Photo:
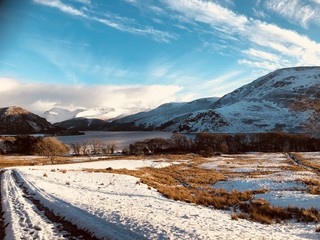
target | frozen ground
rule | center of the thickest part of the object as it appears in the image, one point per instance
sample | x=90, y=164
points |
x=118, y=206
x=267, y=171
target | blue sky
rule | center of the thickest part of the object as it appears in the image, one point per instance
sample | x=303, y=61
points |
x=137, y=54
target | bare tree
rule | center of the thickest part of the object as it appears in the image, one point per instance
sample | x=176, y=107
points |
x=111, y=147
x=76, y=148
x=96, y=146
x=85, y=147
x=313, y=106
x=51, y=148
x=180, y=141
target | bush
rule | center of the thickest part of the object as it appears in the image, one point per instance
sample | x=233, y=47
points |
x=50, y=147
x=207, y=152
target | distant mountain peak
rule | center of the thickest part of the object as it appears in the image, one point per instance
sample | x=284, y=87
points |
x=16, y=120
x=14, y=110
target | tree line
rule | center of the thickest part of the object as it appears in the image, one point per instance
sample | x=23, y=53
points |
x=93, y=146
x=50, y=147
x=207, y=144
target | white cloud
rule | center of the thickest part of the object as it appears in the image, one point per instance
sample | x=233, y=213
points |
x=61, y=6
x=39, y=97
x=208, y=12
x=117, y=22
x=86, y=2
x=302, y=12
x=211, y=85
x=297, y=49
x=7, y=85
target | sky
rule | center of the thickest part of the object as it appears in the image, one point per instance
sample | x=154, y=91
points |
x=137, y=54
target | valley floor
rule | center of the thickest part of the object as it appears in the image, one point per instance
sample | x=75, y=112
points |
x=66, y=202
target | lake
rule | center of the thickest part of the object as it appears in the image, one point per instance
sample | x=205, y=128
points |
x=122, y=139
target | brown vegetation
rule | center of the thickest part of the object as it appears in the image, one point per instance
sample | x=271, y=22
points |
x=51, y=148
x=313, y=185
x=190, y=183
x=261, y=211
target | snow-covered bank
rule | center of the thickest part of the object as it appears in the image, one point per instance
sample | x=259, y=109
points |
x=133, y=208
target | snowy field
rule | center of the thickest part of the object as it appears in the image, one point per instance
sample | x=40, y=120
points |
x=272, y=172
x=120, y=207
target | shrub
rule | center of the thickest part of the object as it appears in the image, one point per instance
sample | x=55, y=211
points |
x=51, y=148
x=234, y=216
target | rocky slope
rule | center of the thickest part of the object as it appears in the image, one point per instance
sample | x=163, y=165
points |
x=266, y=104
x=16, y=120
x=58, y=114
x=82, y=124
x=166, y=117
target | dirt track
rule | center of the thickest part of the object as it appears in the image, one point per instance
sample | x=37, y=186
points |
x=2, y=225
x=70, y=231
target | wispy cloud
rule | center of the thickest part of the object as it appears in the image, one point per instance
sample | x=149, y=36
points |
x=119, y=23
x=86, y=2
x=62, y=7
x=268, y=38
x=302, y=12
x=39, y=97
x=8, y=64
x=218, y=81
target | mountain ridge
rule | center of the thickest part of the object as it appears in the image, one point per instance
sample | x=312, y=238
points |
x=263, y=105
x=16, y=120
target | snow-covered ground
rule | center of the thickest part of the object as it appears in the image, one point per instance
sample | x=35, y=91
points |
x=119, y=206
x=115, y=164
x=283, y=186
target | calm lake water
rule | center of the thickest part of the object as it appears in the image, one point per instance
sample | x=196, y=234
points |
x=122, y=139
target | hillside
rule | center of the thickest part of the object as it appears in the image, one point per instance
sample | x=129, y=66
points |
x=266, y=104
x=166, y=117
x=82, y=124
x=58, y=114
x=16, y=120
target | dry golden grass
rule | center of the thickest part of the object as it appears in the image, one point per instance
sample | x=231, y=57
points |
x=16, y=161
x=234, y=216
x=313, y=185
x=160, y=157
x=261, y=211
x=13, y=161
x=307, y=162
x=189, y=183
x=293, y=168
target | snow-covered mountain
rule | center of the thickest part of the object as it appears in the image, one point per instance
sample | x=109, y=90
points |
x=165, y=117
x=58, y=114
x=82, y=124
x=16, y=120
x=266, y=104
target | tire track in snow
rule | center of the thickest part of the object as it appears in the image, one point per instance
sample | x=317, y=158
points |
x=23, y=220
x=70, y=230
x=299, y=162
x=2, y=224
